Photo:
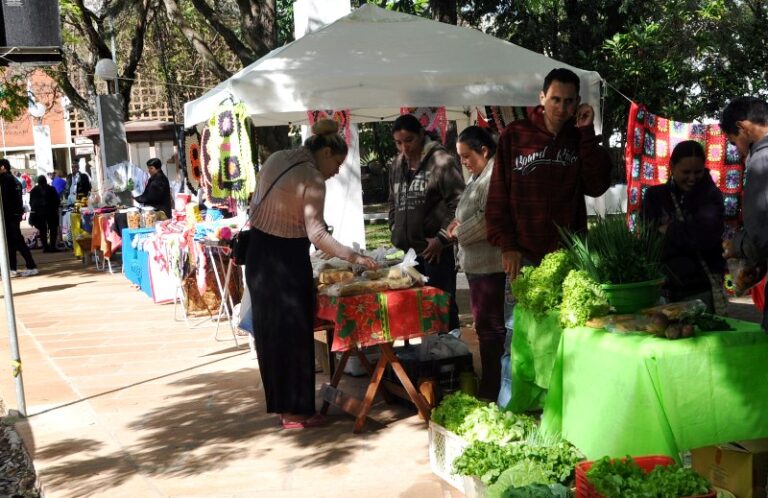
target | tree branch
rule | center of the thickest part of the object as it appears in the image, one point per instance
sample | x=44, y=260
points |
x=244, y=53
x=173, y=11
x=93, y=36
x=137, y=50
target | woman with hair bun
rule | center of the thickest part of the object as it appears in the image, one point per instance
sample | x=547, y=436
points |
x=286, y=216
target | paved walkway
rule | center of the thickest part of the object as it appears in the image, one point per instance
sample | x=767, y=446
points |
x=124, y=401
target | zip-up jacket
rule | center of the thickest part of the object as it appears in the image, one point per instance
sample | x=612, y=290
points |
x=423, y=202
x=539, y=183
x=752, y=241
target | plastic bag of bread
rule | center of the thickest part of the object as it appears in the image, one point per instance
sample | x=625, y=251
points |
x=408, y=267
x=355, y=287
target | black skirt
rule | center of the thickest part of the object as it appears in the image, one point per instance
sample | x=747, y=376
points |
x=279, y=276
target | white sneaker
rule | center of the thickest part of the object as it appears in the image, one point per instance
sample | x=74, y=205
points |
x=14, y=274
x=30, y=272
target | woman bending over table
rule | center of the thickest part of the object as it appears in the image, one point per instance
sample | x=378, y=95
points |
x=480, y=260
x=286, y=215
x=688, y=210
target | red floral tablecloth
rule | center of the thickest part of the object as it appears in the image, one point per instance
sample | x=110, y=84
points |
x=369, y=319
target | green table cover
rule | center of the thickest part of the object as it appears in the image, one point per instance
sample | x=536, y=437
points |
x=635, y=394
x=534, y=349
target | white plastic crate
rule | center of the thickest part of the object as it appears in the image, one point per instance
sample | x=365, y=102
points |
x=444, y=448
x=473, y=487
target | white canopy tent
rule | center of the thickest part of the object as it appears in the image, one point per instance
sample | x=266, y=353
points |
x=373, y=61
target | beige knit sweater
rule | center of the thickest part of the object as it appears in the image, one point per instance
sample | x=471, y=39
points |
x=294, y=207
x=475, y=254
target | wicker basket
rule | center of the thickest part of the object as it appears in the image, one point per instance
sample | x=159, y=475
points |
x=444, y=448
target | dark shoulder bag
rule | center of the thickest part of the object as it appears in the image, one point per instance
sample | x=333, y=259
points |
x=239, y=243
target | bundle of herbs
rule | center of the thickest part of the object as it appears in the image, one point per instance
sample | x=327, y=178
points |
x=610, y=253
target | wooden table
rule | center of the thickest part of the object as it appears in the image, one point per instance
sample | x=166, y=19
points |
x=379, y=319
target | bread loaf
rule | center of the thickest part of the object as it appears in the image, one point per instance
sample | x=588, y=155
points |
x=335, y=276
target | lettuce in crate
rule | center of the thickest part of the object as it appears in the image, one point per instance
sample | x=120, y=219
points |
x=553, y=456
x=475, y=420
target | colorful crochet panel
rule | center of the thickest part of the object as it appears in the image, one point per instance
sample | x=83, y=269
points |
x=228, y=169
x=650, y=141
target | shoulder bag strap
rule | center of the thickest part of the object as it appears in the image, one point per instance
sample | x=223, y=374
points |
x=718, y=297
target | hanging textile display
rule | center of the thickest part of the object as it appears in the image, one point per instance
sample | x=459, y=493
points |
x=340, y=116
x=497, y=117
x=650, y=141
x=228, y=169
x=193, y=158
x=431, y=118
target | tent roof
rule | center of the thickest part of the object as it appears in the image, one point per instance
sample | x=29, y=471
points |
x=373, y=61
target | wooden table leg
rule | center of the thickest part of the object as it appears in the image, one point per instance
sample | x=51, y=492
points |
x=369, y=368
x=370, y=393
x=415, y=395
x=336, y=378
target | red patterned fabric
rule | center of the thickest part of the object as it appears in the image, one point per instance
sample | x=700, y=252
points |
x=650, y=141
x=340, y=116
x=431, y=118
x=373, y=318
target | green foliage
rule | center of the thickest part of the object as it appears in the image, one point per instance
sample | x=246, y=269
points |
x=529, y=491
x=522, y=473
x=582, y=299
x=625, y=478
x=611, y=254
x=377, y=235
x=488, y=461
x=539, y=289
x=13, y=95
x=453, y=409
x=475, y=420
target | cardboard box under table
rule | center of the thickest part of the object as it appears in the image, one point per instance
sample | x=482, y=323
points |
x=636, y=394
x=741, y=467
x=379, y=319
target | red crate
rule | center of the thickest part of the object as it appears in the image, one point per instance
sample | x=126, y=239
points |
x=585, y=490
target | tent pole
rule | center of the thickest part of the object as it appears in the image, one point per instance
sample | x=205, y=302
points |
x=10, y=314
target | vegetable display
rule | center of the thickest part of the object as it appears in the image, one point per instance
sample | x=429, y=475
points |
x=475, y=420
x=529, y=491
x=539, y=289
x=582, y=299
x=626, y=479
x=488, y=461
x=612, y=254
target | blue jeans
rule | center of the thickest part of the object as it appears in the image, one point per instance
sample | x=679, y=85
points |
x=505, y=393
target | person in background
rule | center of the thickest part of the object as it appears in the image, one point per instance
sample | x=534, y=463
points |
x=286, y=216
x=59, y=183
x=425, y=185
x=480, y=260
x=689, y=211
x=44, y=214
x=27, y=182
x=13, y=210
x=545, y=165
x=157, y=193
x=78, y=184
x=745, y=122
